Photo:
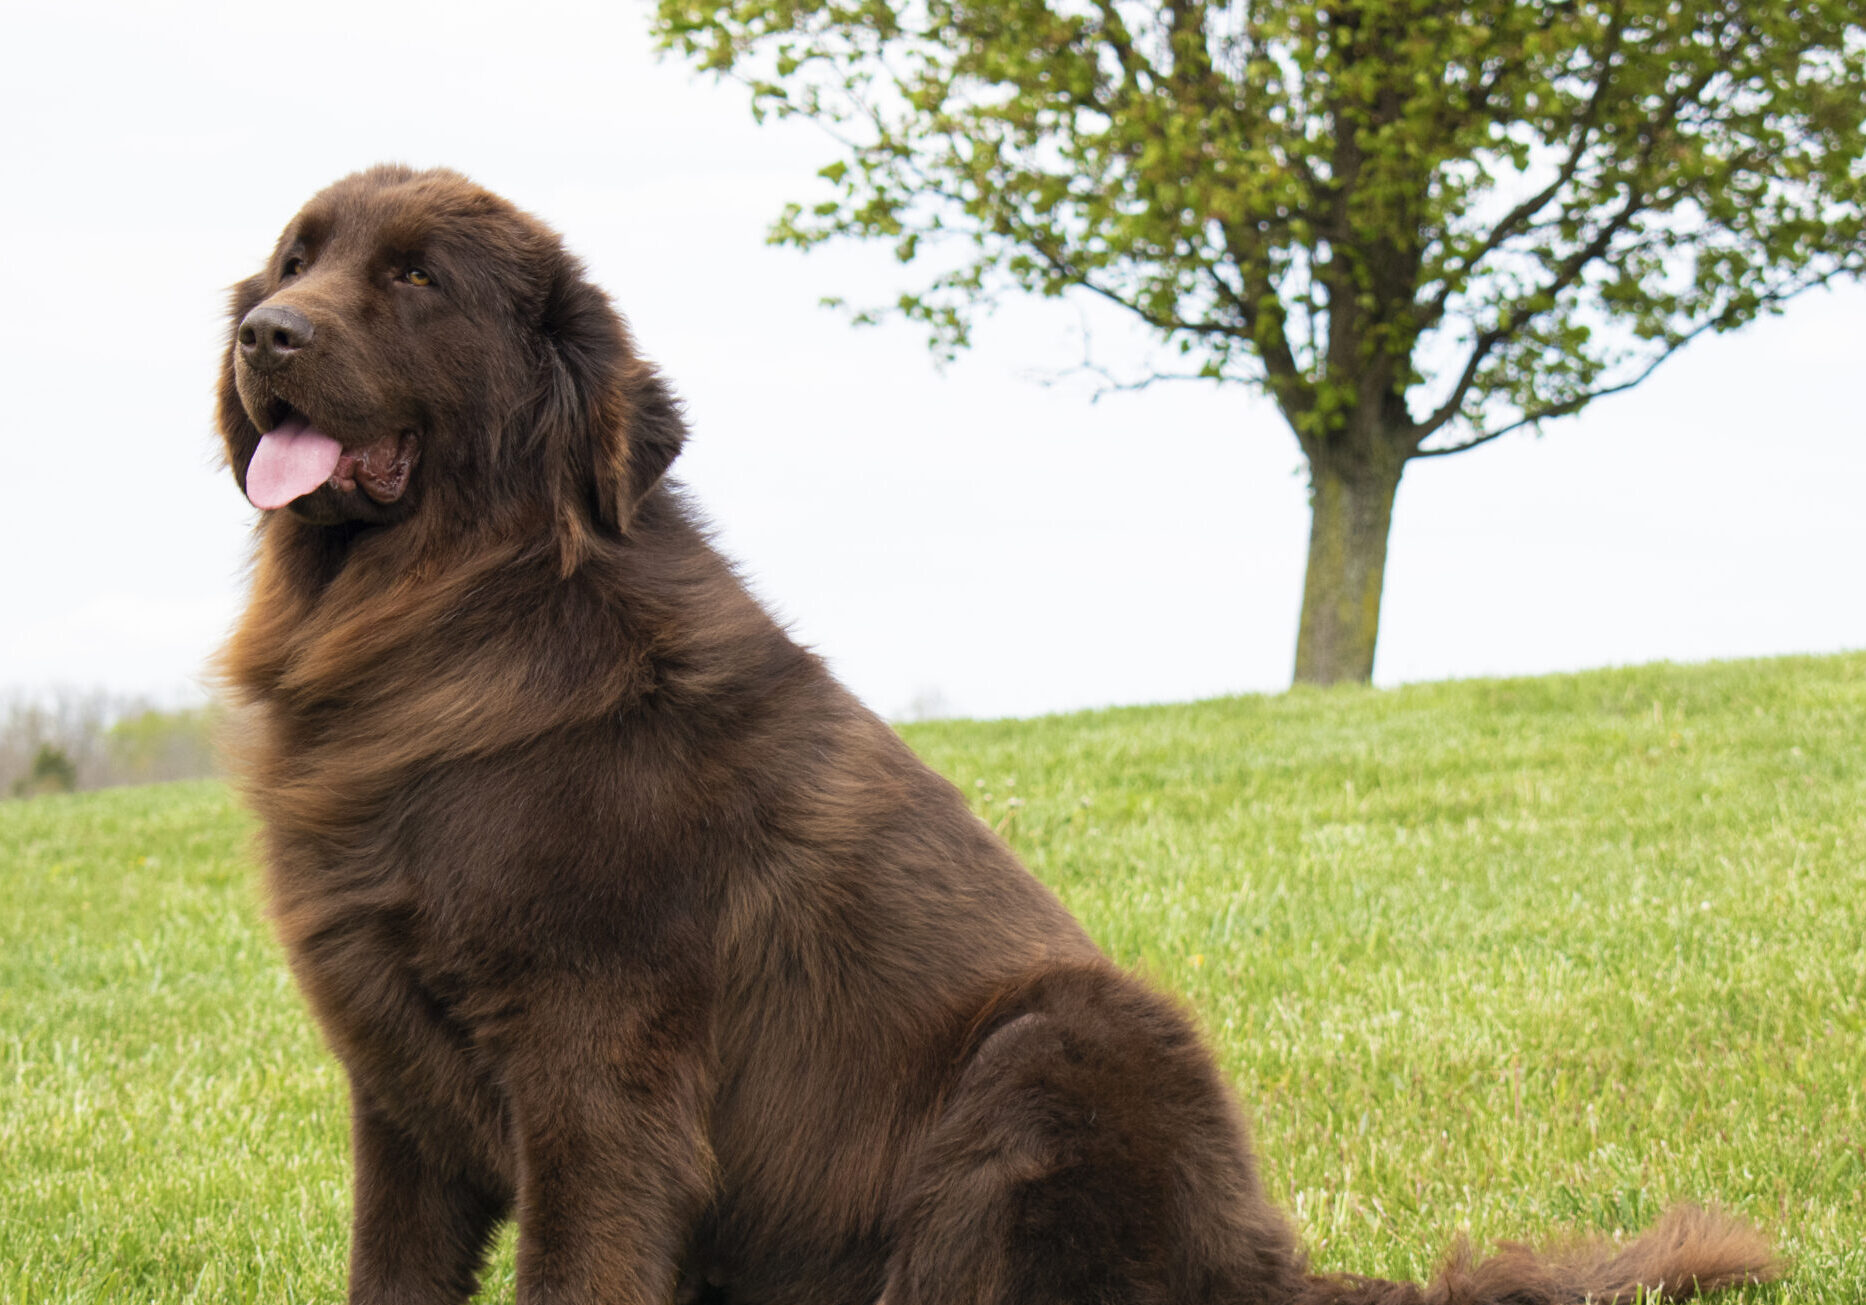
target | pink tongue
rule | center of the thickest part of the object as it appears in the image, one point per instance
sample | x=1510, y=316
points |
x=289, y=463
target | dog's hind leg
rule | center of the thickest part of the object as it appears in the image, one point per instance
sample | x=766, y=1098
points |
x=1089, y=1153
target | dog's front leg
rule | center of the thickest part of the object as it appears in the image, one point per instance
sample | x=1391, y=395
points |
x=421, y=1226
x=608, y=1132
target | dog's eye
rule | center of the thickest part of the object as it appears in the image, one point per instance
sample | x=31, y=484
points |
x=416, y=276
x=294, y=266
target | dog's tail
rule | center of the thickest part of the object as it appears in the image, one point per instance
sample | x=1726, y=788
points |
x=1688, y=1251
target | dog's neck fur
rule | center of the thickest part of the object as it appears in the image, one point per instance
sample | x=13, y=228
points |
x=320, y=675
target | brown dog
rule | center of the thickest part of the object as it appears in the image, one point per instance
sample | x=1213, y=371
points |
x=628, y=921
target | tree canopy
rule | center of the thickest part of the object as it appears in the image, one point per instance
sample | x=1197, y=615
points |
x=1418, y=226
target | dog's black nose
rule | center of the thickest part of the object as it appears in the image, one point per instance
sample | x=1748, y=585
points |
x=271, y=334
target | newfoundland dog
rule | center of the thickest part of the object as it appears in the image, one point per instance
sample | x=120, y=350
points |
x=626, y=920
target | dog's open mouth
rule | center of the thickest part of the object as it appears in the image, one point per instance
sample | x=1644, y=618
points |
x=295, y=458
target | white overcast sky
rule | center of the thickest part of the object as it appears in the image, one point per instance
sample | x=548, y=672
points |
x=1008, y=547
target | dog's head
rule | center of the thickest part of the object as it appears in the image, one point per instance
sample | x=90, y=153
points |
x=417, y=347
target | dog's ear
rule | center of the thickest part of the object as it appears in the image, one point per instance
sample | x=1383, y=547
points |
x=609, y=419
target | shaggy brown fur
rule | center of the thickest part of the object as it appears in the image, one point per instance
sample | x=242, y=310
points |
x=627, y=921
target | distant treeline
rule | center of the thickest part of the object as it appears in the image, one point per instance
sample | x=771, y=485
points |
x=61, y=741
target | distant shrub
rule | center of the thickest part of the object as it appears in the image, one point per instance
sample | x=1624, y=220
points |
x=51, y=772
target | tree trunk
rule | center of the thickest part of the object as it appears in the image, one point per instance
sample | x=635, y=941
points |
x=1351, y=505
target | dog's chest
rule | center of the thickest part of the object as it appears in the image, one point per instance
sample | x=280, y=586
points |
x=380, y=952
x=398, y=1010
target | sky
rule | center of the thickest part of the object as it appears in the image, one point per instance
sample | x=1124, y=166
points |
x=989, y=539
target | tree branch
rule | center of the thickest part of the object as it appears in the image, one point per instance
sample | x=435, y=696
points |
x=1574, y=404
x=1570, y=269
x=1509, y=223
x=1114, y=31
x=1566, y=274
x=1159, y=321
x=1267, y=323
x=1109, y=383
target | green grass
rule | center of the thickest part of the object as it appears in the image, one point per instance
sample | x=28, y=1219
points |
x=1501, y=956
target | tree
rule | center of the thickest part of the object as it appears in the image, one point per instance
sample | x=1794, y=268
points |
x=1417, y=226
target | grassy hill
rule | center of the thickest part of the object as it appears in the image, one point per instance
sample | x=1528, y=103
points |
x=1503, y=956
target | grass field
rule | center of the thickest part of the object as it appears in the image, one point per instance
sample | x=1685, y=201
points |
x=1502, y=956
